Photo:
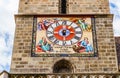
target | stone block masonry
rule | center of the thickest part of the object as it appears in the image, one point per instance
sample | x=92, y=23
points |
x=73, y=7
x=38, y=7
x=88, y=7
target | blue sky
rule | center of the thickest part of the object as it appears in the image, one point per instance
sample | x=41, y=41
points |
x=7, y=28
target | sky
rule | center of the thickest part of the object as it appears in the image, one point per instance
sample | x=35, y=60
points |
x=7, y=28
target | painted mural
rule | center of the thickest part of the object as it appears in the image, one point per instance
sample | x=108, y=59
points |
x=64, y=37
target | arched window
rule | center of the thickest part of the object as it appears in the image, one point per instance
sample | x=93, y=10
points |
x=63, y=66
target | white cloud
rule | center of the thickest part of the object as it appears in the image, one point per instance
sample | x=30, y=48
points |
x=5, y=51
x=115, y=9
x=116, y=25
x=12, y=6
x=7, y=11
x=115, y=6
x=7, y=27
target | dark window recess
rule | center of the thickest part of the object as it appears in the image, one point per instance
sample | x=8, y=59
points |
x=63, y=66
x=63, y=6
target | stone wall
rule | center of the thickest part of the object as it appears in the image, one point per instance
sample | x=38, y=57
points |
x=22, y=43
x=38, y=7
x=88, y=7
x=106, y=62
x=73, y=7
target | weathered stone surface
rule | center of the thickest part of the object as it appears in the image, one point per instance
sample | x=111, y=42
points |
x=73, y=7
x=38, y=7
x=88, y=6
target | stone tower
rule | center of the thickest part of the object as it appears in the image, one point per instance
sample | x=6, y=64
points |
x=30, y=58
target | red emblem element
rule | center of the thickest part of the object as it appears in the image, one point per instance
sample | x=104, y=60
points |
x=64, y=33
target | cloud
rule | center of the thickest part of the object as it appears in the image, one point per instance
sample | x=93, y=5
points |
x=7, y=9
x=5, y=50
x=115, y=6
x=7, y=27
x=115, y=9
x=116, y=25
